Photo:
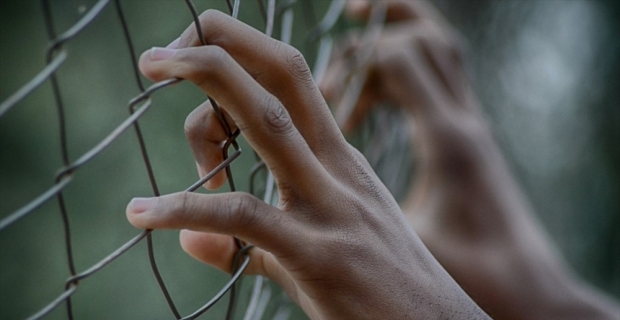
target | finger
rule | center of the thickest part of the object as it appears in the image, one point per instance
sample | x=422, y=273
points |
x=219, y=251
x=263, y=120
x=397, y=10
x=277, y=67
x=206, y=137
x=235, y=214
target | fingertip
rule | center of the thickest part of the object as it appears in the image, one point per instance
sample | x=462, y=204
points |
x=143, y=62
x=137, y=211
x=202, y=173
x=150, y=62
x=217, y=181
x=206, y=165
x=146, y=66
x=140, y=205
x=209, y=248
x=189, y=240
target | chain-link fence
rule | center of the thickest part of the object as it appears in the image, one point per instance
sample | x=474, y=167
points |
x=51, y=229
x=275, y=15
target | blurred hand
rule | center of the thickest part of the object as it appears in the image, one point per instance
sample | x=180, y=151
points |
x=416, y=63
x=464, y=203
x=337, y=242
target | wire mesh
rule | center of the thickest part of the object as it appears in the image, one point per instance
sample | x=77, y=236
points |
x=318, y=38
x=56, y=55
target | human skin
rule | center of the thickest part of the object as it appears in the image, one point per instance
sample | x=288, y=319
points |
x=464, y=203
x=337, y=242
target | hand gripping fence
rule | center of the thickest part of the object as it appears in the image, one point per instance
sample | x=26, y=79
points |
x=56, y=56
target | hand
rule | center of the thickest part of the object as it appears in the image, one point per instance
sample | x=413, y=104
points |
x=464, y=203
x=337, y=242
x=416, y=63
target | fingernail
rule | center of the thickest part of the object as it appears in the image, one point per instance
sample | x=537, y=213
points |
x=174, y=44
x=158, y=53
x=139, y=205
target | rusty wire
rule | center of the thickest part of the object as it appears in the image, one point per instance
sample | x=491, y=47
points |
x=56, y=56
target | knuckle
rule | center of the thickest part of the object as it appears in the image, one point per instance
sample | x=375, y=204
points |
x=206, y=63
x=357, y=157
x=216, y=56
x=180, y=206
x=293, y=66
x=276, y=119
x=297, y=66
x=210, y=21
x=242, y=210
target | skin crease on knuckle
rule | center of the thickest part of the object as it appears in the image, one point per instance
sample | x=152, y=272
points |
x=242, y=210
x=298, y=68
x=276, y=118
x=177, y=209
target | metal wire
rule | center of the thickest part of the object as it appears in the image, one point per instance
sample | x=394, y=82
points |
x=56, y=56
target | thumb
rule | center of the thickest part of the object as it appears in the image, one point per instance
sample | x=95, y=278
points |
x=237, y=214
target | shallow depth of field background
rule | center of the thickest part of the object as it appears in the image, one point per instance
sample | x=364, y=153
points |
x=546, y=73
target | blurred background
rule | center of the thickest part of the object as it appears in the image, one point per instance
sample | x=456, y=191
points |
x=547, y=73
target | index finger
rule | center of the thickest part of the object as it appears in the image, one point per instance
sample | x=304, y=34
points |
x=262, y=119
x=277, y=67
